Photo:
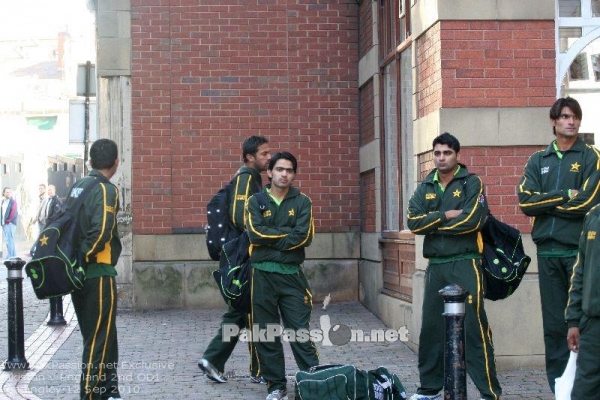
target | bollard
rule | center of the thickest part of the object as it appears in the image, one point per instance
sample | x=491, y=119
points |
x=56, y=312
x=16, y=336
x=455, y=371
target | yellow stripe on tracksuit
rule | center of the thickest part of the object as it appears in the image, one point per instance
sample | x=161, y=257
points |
x=485, y=336
x=98, y=327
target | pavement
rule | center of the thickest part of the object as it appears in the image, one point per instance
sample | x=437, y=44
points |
x=159, y=351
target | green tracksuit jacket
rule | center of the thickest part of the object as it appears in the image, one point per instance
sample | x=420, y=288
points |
x=100, y=244
x=459, y=237
x=280, y=233
x=544, y=194
x=584, y=293
x=246, y=182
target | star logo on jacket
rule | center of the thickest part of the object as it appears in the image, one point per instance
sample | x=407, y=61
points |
x=456, y=193
x=266, y=214
x=591, y=235
x=575, y=167
x=430, y=196
x=44, y=240
x=291, y=213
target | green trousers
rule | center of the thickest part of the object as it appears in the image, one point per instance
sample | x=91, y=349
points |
x=280, y=298
x=219, y=350
x=96, y=309
x=587, y=376
x=479, y=354
x=554, y=280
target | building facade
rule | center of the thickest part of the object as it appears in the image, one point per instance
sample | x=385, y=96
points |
x=357, y=90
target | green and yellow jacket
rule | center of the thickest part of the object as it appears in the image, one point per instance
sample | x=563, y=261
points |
x=458, y=238
x=246, y=182
x=584, y=293
x=280, y=233
x=544, y=193
x=100, y=245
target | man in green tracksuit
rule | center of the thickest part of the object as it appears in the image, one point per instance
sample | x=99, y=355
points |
x=96, y=303
x=278, y=237
x=247, y=181
x=558, y=187
x=449, y=208
x=583, y=310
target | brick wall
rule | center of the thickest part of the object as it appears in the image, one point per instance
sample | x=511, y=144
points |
x=207, y=74
x=367, y=201
x=367, y=113
x=486, y=64
x=365, y=28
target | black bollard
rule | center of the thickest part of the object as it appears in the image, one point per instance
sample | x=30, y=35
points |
x=16, y=336
x=455, y=370
x=56, y=312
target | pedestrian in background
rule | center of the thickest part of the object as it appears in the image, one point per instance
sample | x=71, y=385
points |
x=100, y=247
x=247, y=181
x=449, y=208
x=10, y=213
x=278, y=236
x=559, y=186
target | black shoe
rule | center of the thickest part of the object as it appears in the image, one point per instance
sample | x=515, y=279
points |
x=210, y=371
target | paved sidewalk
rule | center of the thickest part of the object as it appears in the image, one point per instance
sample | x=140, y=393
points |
x=159, y=351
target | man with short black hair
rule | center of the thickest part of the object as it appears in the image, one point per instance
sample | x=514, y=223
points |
x=247, y=181
x=99, y=248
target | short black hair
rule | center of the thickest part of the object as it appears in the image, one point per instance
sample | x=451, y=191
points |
x=449, y=140
x=103, y=154
x=569, y=102
x=251, y=145
x=285, y=156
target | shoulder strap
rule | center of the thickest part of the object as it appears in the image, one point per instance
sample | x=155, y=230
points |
x=263, y=200
x=79, y=200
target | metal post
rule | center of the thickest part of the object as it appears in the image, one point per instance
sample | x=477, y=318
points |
x=16, y=336
x=86, y=132
x=56, y=312
x=455, y=371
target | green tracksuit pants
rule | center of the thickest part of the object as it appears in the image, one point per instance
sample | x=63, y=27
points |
x=479, y=353
x=587, y=376
x=96, y=309
x=280, y=298
x=554, y=280
x=219, y=350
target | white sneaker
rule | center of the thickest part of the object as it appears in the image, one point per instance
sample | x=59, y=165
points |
x=423, y=397
x=278, y=395
x=210, y=371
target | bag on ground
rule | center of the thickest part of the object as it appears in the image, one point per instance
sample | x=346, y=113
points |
x=504, y=259
x=55, y=268
x=344, y=382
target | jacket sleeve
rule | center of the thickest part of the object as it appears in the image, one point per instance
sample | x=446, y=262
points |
x=532, y=200
x=573, y=311
x=419, y=220
x=281, y=238
x=101, y=207
x=242, y=186
x=474, y=210
x=588, y=196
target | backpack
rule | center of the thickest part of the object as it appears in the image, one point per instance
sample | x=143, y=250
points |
x=342, y=382
x=220, y=229
x=504, y=259
x=55, y=268
x=235, y=271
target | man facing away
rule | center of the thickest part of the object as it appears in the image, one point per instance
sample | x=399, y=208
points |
x=449, y=208
x=247, y=181
x=278, y=236
x=557, y=191
x=10, y=213
x=99, y=247
x=583, y=310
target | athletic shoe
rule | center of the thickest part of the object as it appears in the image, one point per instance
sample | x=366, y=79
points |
x=278, y=395
x=210, y=371
x=258, y=379
x=423, y=397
